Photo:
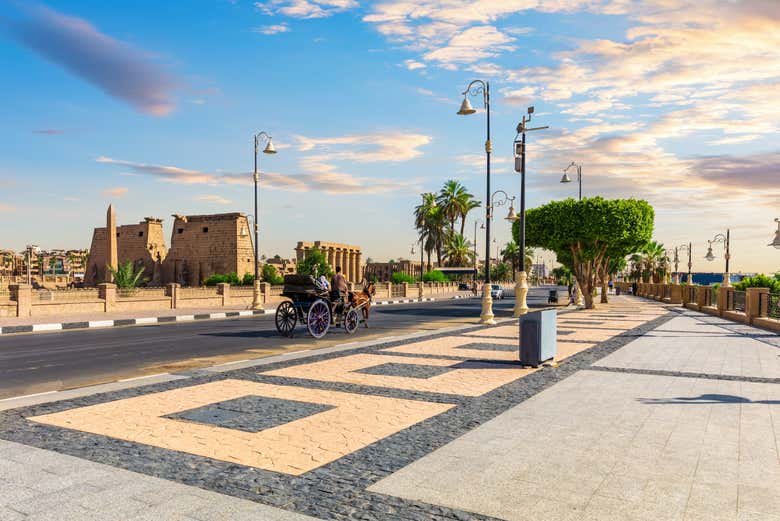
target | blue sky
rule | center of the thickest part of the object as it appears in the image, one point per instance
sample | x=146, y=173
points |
x=152, y=106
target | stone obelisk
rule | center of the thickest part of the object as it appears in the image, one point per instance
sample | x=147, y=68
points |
x=112, y=257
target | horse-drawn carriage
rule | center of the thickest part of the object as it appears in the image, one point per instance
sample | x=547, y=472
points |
x=318, y=308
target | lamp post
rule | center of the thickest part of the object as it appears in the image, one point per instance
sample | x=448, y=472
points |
x=567, y=179
x=511, y=216
x=475, y=88
x=725, y=239
x=521, y=286
x=269, y=149
x=676, y=260
x=776, y=242
x=422, y=249
x=476, y=221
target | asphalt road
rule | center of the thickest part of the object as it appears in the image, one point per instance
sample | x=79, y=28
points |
x=33, y=363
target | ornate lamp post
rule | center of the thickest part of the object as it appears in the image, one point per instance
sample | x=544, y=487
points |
x=482, y=227
x=269, y=149
x=776, y=242
x=521, y=286
x=567, y=179
x=476, y=88
x=725, y=239
x=422, y=249
x=676, y=260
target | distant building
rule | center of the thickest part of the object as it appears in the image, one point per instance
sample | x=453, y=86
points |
x=539, y=271
x=204, y=245
x=283, y=266
x=383, y=271
x=142, y=243
x=344, y=255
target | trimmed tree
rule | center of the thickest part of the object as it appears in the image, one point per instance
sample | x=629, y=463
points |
x=586, y=235
x=315, y=264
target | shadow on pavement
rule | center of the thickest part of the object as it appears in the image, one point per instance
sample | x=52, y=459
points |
x=706, y=399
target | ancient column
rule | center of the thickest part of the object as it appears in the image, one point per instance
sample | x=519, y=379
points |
x=332, y=257
x=347, y=265
x=112, y=257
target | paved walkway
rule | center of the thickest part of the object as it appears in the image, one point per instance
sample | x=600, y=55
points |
x=441, y=427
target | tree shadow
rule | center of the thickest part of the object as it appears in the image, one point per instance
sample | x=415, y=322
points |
x=706, y=399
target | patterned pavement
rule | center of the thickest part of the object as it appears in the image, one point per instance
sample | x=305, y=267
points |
x=312, y=435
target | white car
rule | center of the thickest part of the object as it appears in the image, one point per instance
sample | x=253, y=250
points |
x=496, y=292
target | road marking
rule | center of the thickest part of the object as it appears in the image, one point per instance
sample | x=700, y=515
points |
x=245, y=313
x=142, y=377
x=101, y=323
x=146, y=320
x=27, y=396
x=183, y=318
x=218, y=315
x=46, y=327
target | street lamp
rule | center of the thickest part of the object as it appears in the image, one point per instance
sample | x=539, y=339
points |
x=725, y=239
x=476, y=88
x=676, y=259
x=269, y=149
x=521, y=286
x=482, y=227
x=776, y=242
x=422, y=249
x=567, y=179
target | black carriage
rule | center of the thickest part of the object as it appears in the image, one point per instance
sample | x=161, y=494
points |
x=314, y=306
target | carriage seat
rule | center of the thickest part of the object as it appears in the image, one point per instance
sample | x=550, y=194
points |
x=300, y=284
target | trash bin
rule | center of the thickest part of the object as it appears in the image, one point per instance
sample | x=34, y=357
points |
x=617, y=290
x=552, y=296
x=538, y=337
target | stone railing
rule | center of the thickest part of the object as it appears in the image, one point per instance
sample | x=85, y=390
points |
x=20, y=300
x=754, y=306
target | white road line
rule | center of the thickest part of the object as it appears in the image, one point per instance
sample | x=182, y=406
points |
x=244, y=313
x=218, y=315
x=27, y=396
x=142, y=377
x=146, y=320
x=101, y=323
x=46, y=327
x=184, y=318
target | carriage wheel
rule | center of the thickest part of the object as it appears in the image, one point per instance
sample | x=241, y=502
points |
x=351, y=320
x=286, y=317
x=318, y=319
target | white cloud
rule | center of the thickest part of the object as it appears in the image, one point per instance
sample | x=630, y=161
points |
x=216, y=199
x=318, y=165
x=272, y=29
x=305, y=8
x=413, y=65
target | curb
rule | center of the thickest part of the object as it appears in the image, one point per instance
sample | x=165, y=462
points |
x=100, y=324
x=94, y=324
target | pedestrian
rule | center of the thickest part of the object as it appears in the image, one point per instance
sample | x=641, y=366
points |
x=610, y=286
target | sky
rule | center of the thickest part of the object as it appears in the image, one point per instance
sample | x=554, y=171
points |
x=152, y=106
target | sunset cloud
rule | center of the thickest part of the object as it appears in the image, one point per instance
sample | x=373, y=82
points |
x=119, y=191
x=113, y=66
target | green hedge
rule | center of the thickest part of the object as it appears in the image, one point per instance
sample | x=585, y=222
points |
x=400, y=278
x=435, y=276
x=230, y=278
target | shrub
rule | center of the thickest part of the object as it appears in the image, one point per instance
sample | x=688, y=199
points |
x=269, y=275
x=435, y=276
x=126, y=276
x=759, y=281
x=399, y=278
x=315, y=264
x=230, y=278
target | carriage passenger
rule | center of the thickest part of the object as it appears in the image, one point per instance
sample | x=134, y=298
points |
x=338, y=285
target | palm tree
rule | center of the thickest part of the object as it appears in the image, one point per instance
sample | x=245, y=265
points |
x=458, y=251
x=511, y=254
x=429, y=221
x=653, y=256
x=456, y=203
x=467, y=203
x=126, y=276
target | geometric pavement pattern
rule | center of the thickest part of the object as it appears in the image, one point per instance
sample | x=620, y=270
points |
x=311, y=435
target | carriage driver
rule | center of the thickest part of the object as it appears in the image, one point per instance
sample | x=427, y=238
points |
x=338, y=286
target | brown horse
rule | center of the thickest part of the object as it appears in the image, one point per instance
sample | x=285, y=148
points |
x=363, y=298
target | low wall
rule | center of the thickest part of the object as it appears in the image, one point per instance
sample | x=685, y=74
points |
x=39, y=309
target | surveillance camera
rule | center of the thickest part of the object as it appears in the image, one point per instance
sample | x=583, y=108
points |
x=530, y=110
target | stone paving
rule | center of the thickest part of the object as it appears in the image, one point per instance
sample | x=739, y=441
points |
x=447, y=426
